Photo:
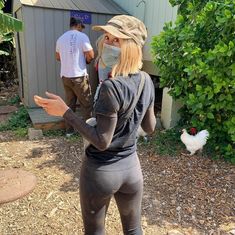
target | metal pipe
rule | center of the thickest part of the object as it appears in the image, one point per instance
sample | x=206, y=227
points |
x=138, y=4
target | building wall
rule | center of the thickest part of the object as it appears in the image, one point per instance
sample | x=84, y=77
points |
x=42, y=27
x=154, y=14
x=21, y=57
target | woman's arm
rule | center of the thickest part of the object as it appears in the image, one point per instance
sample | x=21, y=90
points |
x=149, y=121
x=99, y=136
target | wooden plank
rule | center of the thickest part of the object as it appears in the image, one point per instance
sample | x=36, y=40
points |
x=41, y=120
x=41, y=41
x=64, y=4
x=38, y=3
x=18, y=38
x=58, y=31
x=80, y=5
x=72, y=5
x=24, y=57
x=56, y=4
x=98, y=6
x=30, y=85
x=50, y=126
x=27, y=2
x=66, y=15
x=50, y=50
x=16, y=5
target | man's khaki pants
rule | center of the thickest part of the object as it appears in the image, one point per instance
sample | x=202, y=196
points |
x=78, y=88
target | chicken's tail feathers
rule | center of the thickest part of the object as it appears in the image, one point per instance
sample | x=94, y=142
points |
x=204, y=134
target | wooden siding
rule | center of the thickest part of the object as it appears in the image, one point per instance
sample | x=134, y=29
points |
x=153, y=13
x=21, y=56
x=41, y=72
x=96, y=6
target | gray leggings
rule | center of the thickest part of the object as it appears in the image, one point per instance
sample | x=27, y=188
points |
x=98, y=184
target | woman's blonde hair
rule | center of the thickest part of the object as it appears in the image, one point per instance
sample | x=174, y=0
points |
x=130, y=60
x=99, y=45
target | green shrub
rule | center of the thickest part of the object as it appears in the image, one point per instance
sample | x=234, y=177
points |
x=8, y=25
x=54, y=133
x=15, y=100
x=196, y=60
x=21, y=132
x=20, y=119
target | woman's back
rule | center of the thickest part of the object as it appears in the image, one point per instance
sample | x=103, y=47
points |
x=117, y=95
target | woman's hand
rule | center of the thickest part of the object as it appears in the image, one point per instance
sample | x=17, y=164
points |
x=54, y=106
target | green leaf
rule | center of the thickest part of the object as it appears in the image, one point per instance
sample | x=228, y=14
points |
x=1, y=4
x=228, y=13
x=3, y=52
x=233, y=69
x=210, y=116
x=9, y=24
x=198, y=88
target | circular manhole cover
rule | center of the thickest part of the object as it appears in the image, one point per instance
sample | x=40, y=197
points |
x=15, y=183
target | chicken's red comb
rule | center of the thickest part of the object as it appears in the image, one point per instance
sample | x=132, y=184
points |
x=193, y=130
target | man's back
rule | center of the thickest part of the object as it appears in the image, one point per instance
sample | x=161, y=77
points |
x=71, y=47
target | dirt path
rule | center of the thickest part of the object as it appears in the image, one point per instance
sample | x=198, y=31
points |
x=182, y=195
x=193, y=195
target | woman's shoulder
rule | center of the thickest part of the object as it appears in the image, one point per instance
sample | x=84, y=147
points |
x=145, y=75
x=113, y=82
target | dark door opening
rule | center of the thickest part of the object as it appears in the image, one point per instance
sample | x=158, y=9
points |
x=158, y=94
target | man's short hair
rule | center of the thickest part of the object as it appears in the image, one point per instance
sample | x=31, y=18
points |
x=75, y=21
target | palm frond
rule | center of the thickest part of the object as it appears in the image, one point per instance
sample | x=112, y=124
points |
x=9, y=24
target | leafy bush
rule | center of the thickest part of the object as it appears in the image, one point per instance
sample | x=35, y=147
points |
x=20, y=119
x=8, y=25
x=7, y=22
x=196, y=59
x=15, y=100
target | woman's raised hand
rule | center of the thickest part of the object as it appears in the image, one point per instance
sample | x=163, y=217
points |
x=53, y=105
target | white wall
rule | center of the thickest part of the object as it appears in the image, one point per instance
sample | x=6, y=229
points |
x=154, y=13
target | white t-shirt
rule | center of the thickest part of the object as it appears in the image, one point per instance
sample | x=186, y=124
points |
x=71, y=47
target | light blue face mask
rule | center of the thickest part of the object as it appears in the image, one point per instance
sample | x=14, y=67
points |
x=103, y=72
x=110, y=55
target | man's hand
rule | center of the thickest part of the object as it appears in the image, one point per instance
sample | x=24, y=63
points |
x=54, y=106
x=89, y=55
x=57, y=56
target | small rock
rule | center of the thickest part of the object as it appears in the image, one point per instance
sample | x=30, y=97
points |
x=232, y=232
x=174, y=232
x=145, y=224
x=178, y=208
x=201, y=222
x=34, y=134
x=173, y=202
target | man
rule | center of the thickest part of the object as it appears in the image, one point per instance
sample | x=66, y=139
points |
x=81, y=26
x=74, y=51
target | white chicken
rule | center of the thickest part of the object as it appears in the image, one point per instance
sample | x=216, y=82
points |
x=196, y=142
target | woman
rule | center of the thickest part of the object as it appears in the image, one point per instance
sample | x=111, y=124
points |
x=111, y=166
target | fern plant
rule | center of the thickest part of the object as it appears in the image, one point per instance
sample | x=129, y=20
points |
x=8, y=24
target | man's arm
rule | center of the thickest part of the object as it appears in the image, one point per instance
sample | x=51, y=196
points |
x=89, y=55
x=57, y=56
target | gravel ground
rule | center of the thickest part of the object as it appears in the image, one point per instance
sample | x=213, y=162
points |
x=182, y=195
